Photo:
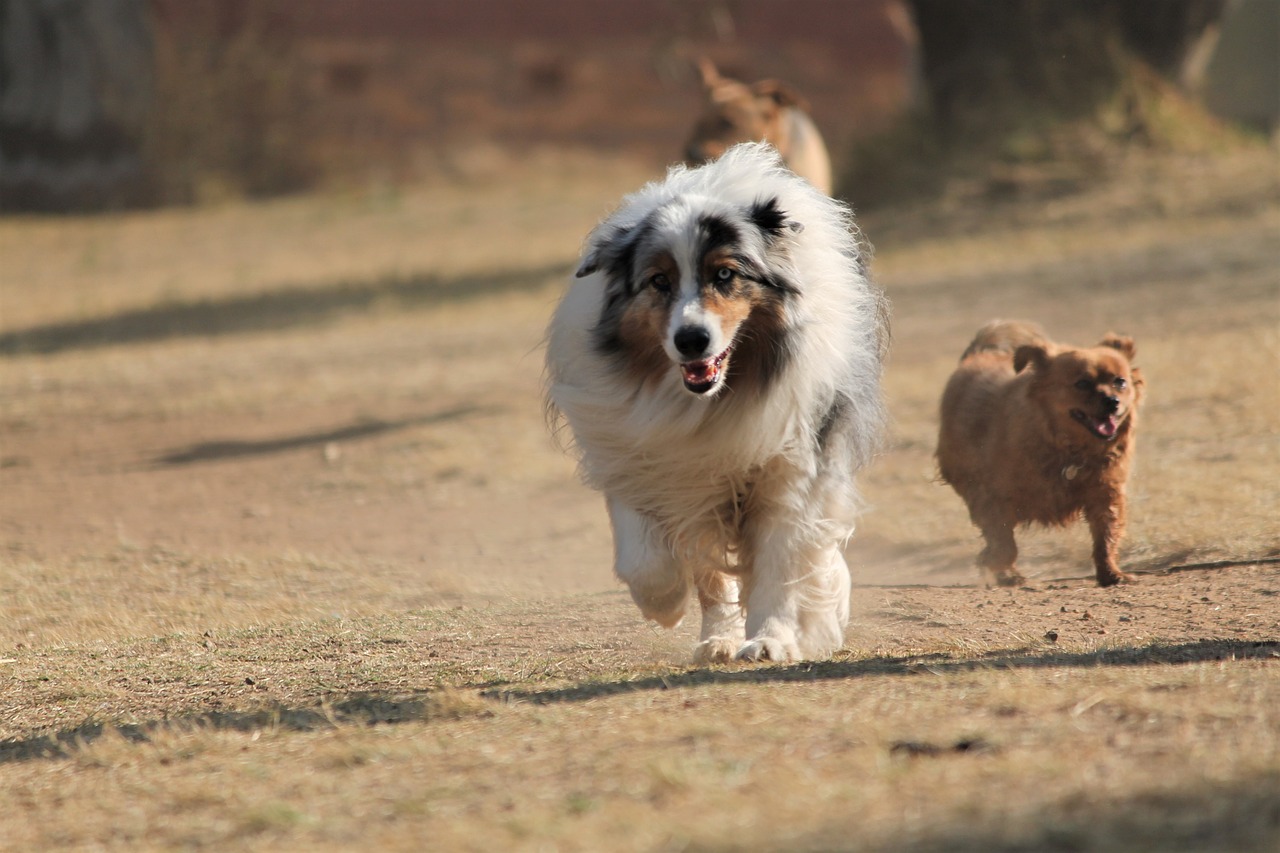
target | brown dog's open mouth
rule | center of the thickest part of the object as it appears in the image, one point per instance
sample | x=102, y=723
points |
x=703, y=375
x=1105, y=427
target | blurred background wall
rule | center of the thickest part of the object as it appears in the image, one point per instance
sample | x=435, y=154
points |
x=149, y=101
x=106, y=103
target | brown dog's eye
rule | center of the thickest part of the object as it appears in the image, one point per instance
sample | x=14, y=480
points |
x=1084, y=384
x=1119, y=384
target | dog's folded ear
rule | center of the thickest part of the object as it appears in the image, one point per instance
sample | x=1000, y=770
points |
x=611, y=248
x=1120, y=342
x=1030, y=354
x=589, y=264
x=771, y=219
x=709, y=73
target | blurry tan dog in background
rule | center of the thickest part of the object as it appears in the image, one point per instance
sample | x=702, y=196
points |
x=766, y=111
x=1038, y=432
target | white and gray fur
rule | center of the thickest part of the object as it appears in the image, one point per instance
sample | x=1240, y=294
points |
x=744, y=493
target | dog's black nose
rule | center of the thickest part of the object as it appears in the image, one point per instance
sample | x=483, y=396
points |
x=1110, y=404
x=692, y=341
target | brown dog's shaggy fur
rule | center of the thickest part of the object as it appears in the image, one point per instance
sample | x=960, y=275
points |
x=765, y=111
x=1037, y=432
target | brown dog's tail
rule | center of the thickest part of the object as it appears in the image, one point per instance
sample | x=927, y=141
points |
x=1006, y=336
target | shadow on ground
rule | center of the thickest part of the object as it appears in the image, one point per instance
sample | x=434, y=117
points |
x=357, y=709
x=286, y=308
x=215, y=451
x=938, y=664
x=375, y=708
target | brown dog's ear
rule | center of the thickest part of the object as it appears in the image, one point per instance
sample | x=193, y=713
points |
x=709, y=73
x=1120, y=342
x=1139, y=385
x=1033, y=354
x=782, y=94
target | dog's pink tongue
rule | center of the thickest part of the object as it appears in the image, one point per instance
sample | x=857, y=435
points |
x=1107, y=427
x=698, y=371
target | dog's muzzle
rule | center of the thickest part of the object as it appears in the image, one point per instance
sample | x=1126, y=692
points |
x=700, y=373
x=1104, y=427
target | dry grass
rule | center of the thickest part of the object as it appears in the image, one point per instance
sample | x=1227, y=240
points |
x=1166, y=747
x=289, y=563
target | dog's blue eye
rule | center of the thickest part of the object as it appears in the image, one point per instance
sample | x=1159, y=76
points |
x=660, y=283
x=724, y=274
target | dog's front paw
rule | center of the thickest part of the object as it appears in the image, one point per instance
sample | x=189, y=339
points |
x=715, y=650
x=1113, y=578
x=768, y=649
x=1006, y=577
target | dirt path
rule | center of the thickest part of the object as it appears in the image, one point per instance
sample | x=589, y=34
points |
x=289, y=561
x=385, y=432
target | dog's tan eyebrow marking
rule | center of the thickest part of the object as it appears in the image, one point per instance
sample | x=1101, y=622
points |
x=659, y=263
x=716, y=259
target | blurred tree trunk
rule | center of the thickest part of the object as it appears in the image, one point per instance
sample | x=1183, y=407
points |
x=988, y=62
x=76, y=83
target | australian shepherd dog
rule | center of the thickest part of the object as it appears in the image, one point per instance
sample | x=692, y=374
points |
x=718, y=362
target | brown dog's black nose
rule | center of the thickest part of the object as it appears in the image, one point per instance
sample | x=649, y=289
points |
x=1110, y=404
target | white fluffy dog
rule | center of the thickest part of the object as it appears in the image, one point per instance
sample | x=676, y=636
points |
x=718, y=360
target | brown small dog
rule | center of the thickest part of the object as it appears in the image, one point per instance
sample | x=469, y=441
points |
x=1036, y=432
x=766, y=111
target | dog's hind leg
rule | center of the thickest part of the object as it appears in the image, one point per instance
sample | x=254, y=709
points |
x=643, y=561
x=723, y=623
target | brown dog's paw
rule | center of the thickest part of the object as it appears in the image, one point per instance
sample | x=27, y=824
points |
x=1009, y=577
x=1116, y=578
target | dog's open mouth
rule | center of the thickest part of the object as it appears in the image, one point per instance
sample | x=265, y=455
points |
x=703, y=375
x=1104, y=427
